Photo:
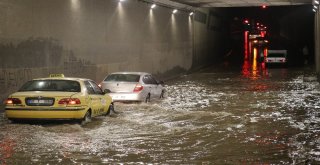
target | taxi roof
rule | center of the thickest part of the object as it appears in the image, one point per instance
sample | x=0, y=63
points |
x=64, y=78
x=61, y=77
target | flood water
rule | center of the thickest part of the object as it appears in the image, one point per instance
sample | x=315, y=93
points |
x=233, y=115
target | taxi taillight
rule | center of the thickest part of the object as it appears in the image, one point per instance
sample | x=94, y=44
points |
x=69, y=101
x=13, y=101
x=138, y=88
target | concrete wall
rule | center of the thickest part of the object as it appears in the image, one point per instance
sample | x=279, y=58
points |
x=210, y=33
x=317, y=41
x=91, y=38
x=296, y=32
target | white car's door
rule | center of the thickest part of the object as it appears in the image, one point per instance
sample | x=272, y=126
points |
x=157, y=90
x=152, y=86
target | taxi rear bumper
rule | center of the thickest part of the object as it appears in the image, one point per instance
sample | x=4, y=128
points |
x=48, y=113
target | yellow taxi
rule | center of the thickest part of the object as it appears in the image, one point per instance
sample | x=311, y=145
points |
x=58, y=98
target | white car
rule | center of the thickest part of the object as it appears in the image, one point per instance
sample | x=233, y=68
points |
x=132, y=86
x=276, y=57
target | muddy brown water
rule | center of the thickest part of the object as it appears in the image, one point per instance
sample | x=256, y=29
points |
x=246, y=115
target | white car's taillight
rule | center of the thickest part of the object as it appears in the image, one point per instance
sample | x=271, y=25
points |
x=138, y=88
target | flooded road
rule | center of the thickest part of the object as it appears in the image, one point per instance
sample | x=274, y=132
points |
x=246, y=115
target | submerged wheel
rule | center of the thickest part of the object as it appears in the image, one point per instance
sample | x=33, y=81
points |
x=147, y=100
x=11, y=121
x=86, y=118
x=111, y=108
x=162, y=94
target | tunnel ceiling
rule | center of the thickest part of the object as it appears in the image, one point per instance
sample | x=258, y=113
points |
x=240, y=3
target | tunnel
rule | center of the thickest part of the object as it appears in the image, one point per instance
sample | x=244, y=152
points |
x=93, y=38
x=159, y=82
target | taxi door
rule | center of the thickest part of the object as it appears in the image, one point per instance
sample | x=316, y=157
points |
x=94, y=99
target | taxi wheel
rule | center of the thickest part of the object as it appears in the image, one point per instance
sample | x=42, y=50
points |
x=111, y=108
x=86, y=118
x=11, y=121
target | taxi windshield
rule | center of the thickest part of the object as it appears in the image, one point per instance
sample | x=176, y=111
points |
x=51, y=85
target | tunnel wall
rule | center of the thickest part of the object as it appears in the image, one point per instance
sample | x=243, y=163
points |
x=296, y=33
x=317, y=41
x=210, y=33
x=90, y=39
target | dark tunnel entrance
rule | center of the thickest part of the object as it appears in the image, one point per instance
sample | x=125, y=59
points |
x=258, y=29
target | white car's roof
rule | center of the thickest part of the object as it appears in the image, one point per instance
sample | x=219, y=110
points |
x=277, y=51
x=138, y=73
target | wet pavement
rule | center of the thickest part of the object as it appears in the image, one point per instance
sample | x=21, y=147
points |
x=233, y=115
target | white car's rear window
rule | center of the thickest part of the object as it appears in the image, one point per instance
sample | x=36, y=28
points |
x=276, y=55
x=123, y=77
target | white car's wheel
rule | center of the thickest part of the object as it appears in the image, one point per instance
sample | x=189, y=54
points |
x=162, y=94
x=147, y=100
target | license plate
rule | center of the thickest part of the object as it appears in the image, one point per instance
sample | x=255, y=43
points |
x=40, y=101
x=118, y=97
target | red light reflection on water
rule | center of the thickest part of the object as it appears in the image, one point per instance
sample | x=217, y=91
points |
x=246, y=52
x=265, y=52
x=255, y=70
x=251, y=68
x=6, y=149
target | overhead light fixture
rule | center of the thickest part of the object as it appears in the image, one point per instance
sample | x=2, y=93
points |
x=191, y=13
x=174, y=11
x=315, y=5
x=121, y=0
x=153, y=6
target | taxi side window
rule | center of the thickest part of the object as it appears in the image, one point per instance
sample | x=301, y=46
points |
x=96, y=88
x=89, y=87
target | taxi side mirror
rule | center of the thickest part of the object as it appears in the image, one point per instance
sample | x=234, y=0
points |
x=107, y=91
